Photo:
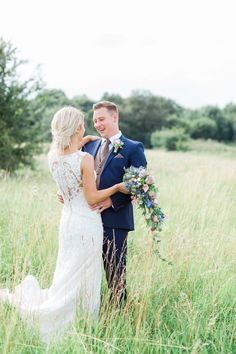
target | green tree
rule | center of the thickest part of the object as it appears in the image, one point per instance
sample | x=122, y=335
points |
x=224, y=126
x=85, y=104
x=145, y=113
x=174, y=121
x=113, y=97
x=44, y=106
x=19, y=131
x=230, y=113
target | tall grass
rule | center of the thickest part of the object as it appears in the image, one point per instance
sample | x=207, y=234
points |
x=185, y=308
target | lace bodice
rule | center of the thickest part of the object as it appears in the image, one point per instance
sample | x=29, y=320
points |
x=66, y=172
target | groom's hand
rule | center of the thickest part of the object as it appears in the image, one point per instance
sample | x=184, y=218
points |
x=100, y=207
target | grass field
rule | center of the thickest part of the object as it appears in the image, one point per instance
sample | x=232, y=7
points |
x=189, y=307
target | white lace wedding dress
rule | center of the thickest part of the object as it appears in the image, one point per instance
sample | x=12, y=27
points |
x=77, y=278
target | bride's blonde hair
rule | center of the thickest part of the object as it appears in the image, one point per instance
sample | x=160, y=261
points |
x=64, y=124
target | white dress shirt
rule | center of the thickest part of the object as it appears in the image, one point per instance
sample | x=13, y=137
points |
x=112, y=138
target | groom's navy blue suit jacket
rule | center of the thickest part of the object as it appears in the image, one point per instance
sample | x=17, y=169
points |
x=120, y=215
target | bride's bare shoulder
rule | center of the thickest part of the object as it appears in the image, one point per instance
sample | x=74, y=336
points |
x=87, y=161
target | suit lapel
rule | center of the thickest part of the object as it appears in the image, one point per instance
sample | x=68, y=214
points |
x=110, y=157
x=112, y=154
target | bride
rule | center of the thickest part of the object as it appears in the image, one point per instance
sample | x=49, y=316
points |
x=77, y=278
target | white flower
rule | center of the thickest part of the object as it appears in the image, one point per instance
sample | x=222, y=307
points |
x=117, y=144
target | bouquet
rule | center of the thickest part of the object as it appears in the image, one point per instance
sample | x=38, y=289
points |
x=140, y=183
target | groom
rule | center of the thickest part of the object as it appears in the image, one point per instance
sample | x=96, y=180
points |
x=112, y=154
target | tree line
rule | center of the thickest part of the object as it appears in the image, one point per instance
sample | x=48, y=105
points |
x=27, y=108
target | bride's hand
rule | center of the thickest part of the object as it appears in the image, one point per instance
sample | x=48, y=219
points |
x=122, y=189
x=89, y=138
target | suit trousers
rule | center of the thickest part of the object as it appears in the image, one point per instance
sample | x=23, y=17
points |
x=114, y=259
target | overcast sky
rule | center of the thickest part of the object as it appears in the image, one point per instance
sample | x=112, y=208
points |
x=180, y=49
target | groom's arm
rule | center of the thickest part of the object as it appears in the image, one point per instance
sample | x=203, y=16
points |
x=137, y=159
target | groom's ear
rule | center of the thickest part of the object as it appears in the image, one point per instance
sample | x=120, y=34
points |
x=115, y=116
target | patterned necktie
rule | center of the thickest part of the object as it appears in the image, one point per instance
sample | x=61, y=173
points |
x=104, y=151
x=101, y=159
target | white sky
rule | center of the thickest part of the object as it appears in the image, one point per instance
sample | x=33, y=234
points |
x=180, y=49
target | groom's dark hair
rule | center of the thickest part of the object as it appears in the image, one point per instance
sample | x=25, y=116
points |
x=110, y=106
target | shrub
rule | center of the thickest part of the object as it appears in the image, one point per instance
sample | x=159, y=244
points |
x=171, y=139
x=204, y=128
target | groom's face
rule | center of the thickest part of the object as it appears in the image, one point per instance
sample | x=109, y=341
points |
x=105, y=122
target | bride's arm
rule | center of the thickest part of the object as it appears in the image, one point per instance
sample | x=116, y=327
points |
x=87, y=139
x=92, y=195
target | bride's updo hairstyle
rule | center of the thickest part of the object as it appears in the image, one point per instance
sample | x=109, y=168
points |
x=64, y=124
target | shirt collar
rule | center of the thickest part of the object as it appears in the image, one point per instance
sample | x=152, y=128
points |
x=114, y=137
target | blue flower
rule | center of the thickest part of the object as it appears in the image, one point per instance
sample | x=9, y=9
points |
x=148, y=204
